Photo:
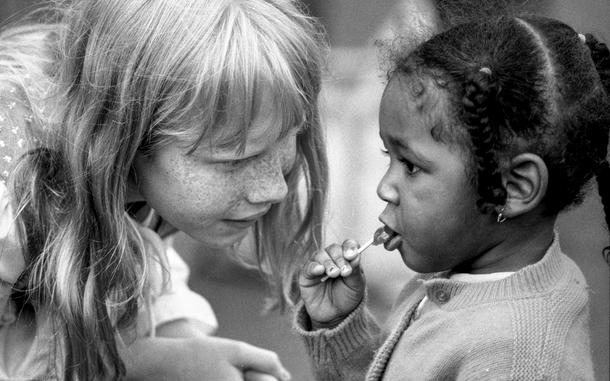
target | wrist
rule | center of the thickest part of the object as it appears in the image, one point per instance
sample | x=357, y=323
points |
x=315, y=325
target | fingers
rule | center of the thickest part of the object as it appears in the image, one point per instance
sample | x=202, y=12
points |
x=252, y=375
x=350, y=250
x=260, y=360
x=313, y=269
x=333, y=262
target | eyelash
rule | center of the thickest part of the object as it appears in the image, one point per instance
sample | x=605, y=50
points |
x=412, y=169
x=240, y=162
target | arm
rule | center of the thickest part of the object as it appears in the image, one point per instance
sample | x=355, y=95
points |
x=340, y=334
x=200, y=358
x=344, y=352
x=182, y=348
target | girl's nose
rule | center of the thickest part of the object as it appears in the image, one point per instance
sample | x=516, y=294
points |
x=266, y=182
x=386, y=189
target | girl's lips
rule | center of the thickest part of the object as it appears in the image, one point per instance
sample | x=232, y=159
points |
x=394, y=241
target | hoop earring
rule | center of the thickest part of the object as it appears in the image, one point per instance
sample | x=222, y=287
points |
x=501, y=217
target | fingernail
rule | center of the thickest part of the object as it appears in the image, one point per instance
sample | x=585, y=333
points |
x=285, y=376
x=332, y=269
x=349, y=254
x=317, y=267
x=345, y=270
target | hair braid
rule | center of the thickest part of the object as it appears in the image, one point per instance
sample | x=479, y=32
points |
x=601, y=58
x=480, y=91
x=603, y=184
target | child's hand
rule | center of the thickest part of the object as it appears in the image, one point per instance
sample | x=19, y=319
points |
x=329, y=302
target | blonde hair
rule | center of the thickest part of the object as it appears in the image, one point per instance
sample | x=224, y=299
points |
x=129, y=76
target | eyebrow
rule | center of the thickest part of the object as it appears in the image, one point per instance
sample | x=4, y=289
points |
x=405, y=146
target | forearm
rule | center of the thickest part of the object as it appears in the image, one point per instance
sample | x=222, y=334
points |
x=149, y=358
x=183, y=328
x=344, y=352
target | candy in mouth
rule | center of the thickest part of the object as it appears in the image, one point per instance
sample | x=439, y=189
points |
x=381, y=236
x=393, y=239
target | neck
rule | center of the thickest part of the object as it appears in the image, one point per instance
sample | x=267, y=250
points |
x=520, y=244
x=133, y=193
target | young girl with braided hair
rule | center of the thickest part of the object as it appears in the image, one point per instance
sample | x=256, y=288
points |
x=492, y=129
x=204, y=110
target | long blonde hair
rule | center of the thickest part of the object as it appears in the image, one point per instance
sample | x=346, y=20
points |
x=126, y=77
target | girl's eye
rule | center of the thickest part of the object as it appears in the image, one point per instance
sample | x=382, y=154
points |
x=411, y=168
x=236, y=163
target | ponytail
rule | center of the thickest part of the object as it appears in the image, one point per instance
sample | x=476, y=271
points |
x=601, y=58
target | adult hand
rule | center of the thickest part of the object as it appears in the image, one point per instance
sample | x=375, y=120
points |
x=329, y=301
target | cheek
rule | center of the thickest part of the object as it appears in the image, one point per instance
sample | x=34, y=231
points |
x=181, y=189
x=288, y=155
x=436, y=208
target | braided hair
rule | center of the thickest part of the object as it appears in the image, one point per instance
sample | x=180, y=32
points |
x=523, y=84
x=601, y=58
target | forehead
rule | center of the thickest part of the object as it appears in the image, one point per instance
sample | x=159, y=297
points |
x=411, y=106
x=265, y=129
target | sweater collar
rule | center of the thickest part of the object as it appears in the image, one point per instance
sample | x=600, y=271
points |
x=532, y=279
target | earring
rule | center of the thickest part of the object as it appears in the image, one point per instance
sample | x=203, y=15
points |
x=501, y=217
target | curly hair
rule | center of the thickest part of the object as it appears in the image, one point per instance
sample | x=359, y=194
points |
x=523, y=84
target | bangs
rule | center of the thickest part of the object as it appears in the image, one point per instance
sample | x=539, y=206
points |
x=234, y=74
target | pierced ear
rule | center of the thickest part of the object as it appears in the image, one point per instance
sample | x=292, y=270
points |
x=526, y=183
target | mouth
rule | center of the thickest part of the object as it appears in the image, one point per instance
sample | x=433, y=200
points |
x=395, y=239
x=246, y=221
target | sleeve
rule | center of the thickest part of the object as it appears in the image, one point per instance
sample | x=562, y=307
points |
x=170, y=299
x=178, y=301
x=577, y=362
x=344, y=352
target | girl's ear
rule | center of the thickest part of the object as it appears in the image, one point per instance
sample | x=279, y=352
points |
x=526, y=182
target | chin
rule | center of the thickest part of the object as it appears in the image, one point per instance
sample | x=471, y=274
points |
x=223, y=240
x=410, y=259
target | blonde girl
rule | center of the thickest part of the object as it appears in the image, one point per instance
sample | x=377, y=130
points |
x=206, y=111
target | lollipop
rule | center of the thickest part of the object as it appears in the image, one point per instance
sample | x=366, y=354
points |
x=380, y=237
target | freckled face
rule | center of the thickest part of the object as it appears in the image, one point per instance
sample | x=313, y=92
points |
x=430, y=202
x=216, y=195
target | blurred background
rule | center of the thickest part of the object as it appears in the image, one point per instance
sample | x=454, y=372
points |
x=349, y=104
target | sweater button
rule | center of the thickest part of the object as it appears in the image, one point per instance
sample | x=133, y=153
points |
x=442, y=296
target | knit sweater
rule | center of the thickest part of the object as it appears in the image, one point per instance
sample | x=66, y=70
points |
x=532, y=325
